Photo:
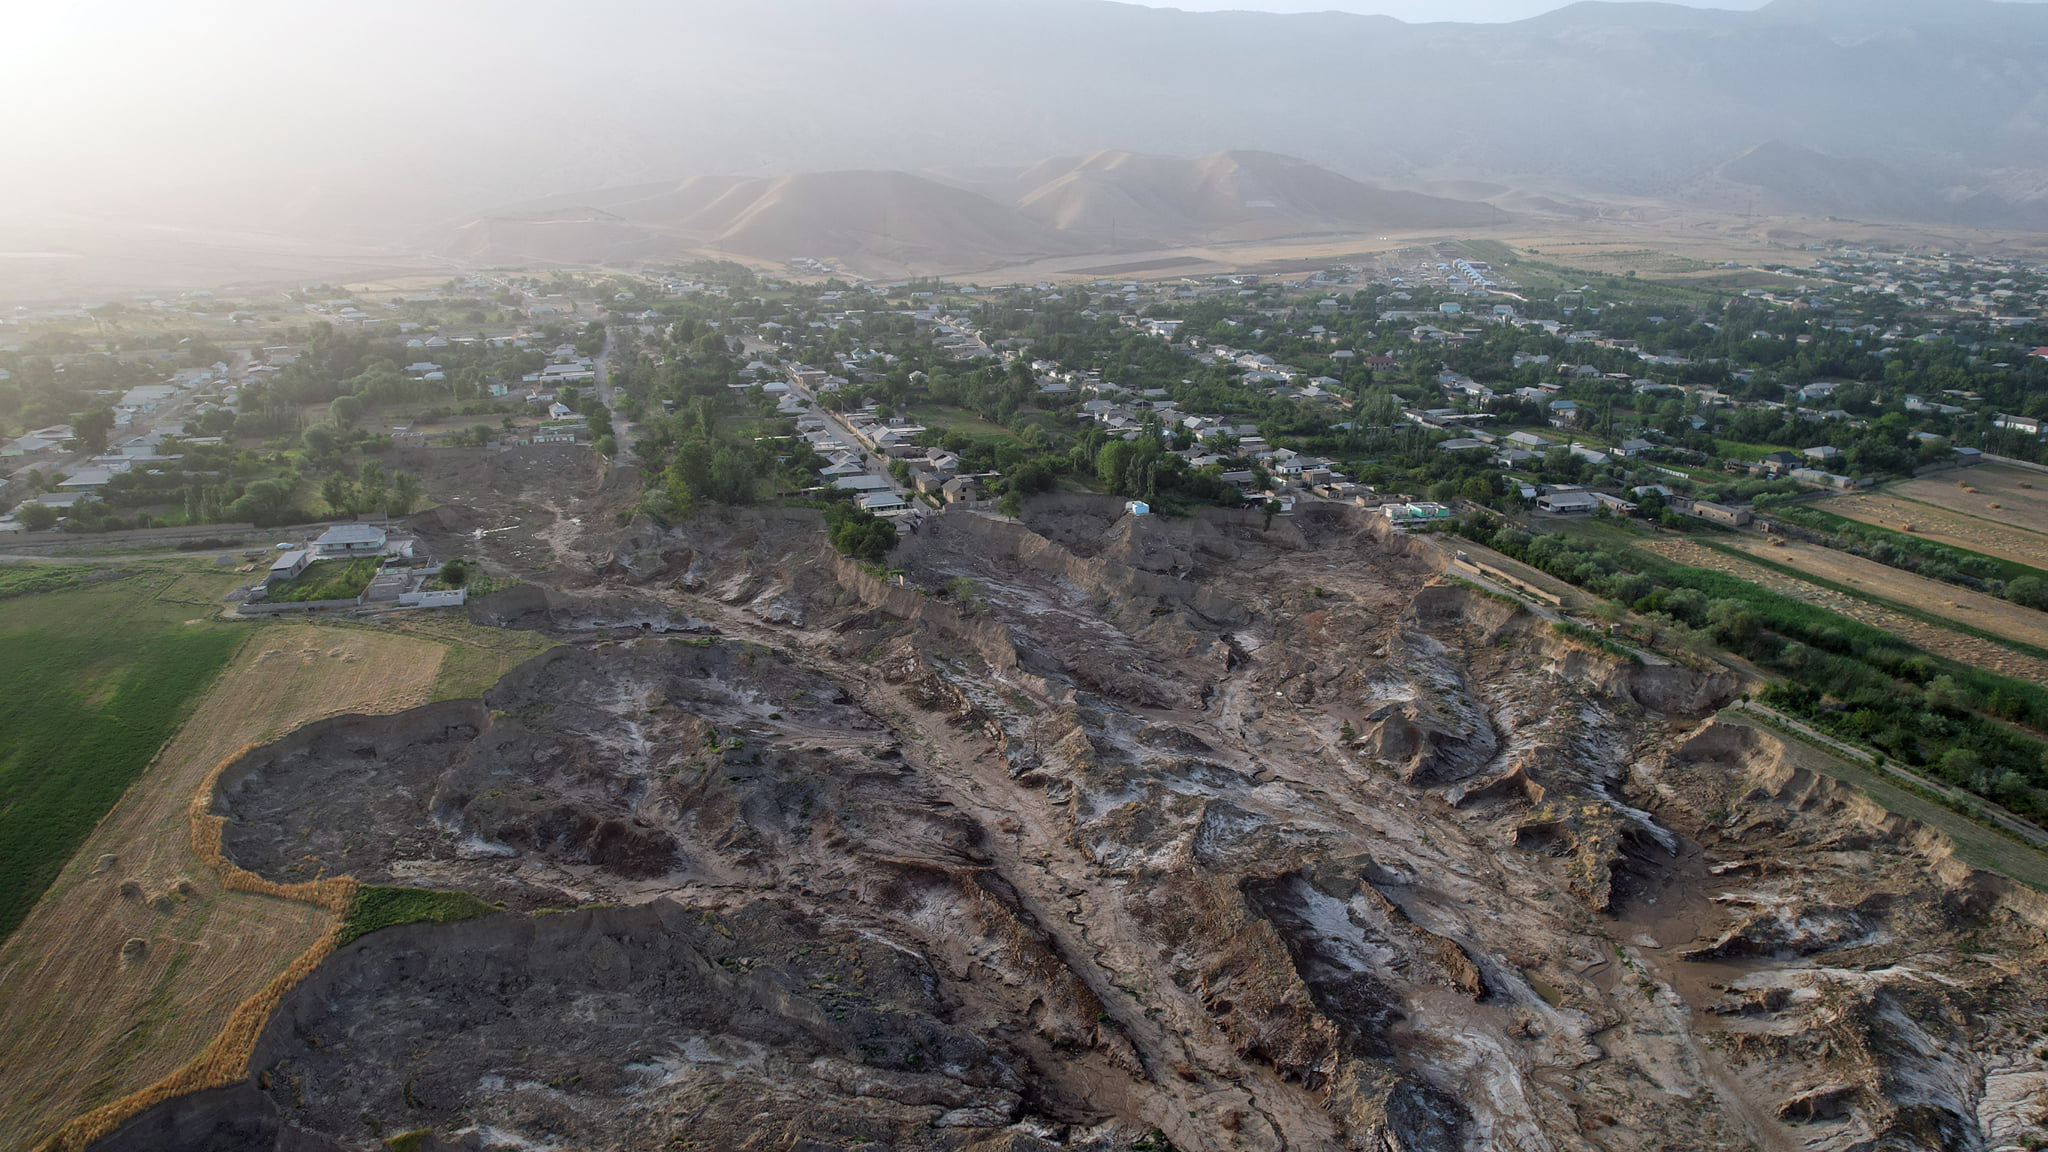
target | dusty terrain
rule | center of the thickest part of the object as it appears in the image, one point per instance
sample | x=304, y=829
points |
x=1931, y=637
x=83, y=1022
x=1250, y=838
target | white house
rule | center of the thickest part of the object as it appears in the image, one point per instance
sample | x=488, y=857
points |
x=1568, y=503
x=351, y=540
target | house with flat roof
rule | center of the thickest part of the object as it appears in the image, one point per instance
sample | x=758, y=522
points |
x=351, y=540
x=86, y=480
x=1568, y=503
x=289, y=564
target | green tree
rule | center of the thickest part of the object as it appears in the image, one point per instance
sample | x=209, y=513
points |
x=1945, y=694
x=1732, y=623
x=860, y=534
x=92, y=427
x=455, y=573
x=1962, y=766
x=2030, y=591
x=36, y=517
x=338, y=492
x=320, y=440
x=405, y=494
x=370, y=485
x=264, y=503
x=345, y=411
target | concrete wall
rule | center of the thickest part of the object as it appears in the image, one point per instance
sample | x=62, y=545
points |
x=267, y=609
x=447, y=598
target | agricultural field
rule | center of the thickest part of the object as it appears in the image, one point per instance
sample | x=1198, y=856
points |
x=1928, y=637
x=1973, y=533
x=1972, y=609
x=476, y=657
x=2011, y=496
x=136, y=956
x=98, y=675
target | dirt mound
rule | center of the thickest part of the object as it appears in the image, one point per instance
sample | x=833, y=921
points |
x=582, y=776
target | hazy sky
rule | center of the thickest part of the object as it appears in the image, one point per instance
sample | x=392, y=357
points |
x=1413, y=11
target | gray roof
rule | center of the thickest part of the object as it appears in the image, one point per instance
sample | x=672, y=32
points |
x=352, y=534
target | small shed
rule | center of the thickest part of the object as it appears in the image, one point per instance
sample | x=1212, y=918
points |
x=289, y=565
x=1137, y=508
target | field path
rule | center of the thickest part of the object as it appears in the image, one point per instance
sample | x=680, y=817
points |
x=1928, y=637
x=80, y=1026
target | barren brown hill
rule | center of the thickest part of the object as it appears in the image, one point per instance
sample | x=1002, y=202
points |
x=896, y=216
x=891, y=221
x=1223, y=196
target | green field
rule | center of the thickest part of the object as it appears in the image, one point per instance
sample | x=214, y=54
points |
x=326, y=580
x=381, y=906
x=96, y=678
x=1737, y=450
x=956, y=420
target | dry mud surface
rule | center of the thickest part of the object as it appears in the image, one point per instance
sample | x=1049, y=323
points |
x=1183, y=832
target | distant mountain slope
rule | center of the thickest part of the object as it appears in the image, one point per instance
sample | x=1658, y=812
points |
x=1776, y=177
x=1224, y=196
x=894, y=216
x=1106, y=201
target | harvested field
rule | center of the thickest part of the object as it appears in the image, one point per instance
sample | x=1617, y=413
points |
x=1942, y=526
x=82, y=1024
x=2007, y=495
x=1930, y=637
x=1974, y=609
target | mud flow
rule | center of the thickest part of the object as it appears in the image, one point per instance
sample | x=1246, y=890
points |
x=1106, y=832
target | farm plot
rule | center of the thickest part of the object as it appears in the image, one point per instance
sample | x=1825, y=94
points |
x=1957, y=530
x=136, y=956
x=2007, y=495
x=1973, y=609
x=1928, y=637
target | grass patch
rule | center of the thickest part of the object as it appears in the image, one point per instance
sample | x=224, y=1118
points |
x=382, y=906
x=95, y=679
x=1593, y=639
x=956, y=420
x=481, y=586
x=476, y=656
x=1737, y=450
x=327, y=580
x=33, y=579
